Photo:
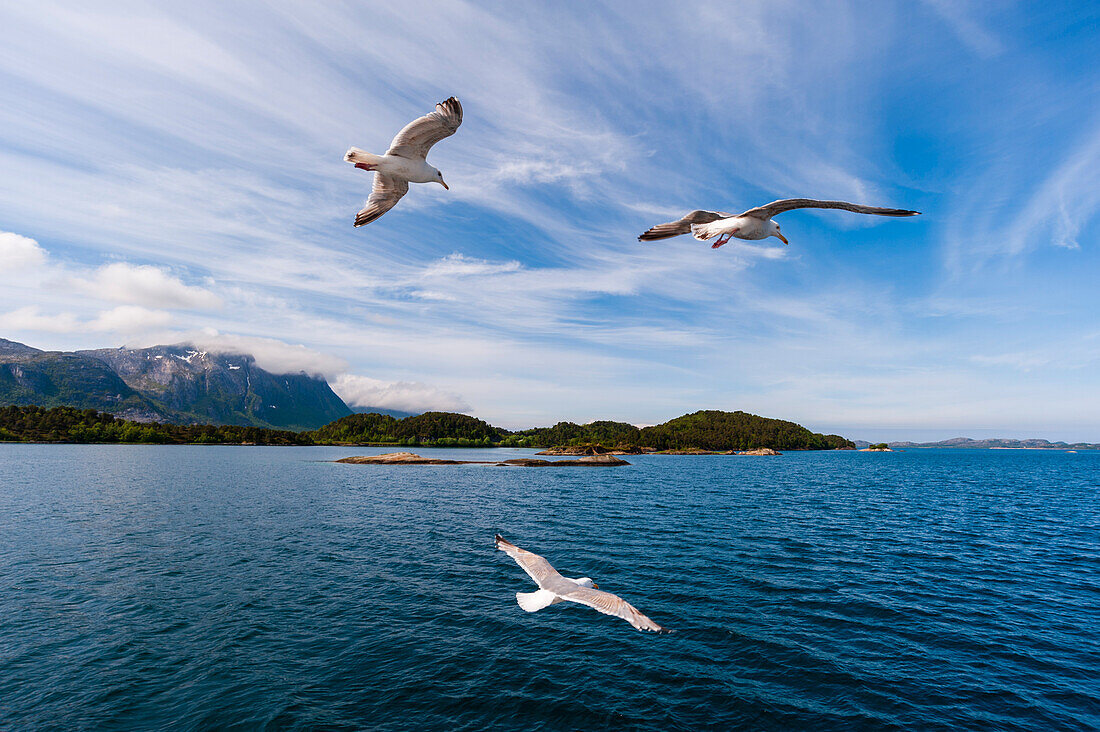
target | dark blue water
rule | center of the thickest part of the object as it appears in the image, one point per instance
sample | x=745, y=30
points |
x=223, y=587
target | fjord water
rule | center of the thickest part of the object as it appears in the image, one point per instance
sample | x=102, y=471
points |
x=214, y=587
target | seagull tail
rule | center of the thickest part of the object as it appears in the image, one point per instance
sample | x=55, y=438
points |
x=537, y=600
x=355, y=155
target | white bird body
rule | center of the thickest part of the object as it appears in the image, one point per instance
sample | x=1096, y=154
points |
x=553, y=588
x=537, y=600
x=412, y=170
x=405, y=162
x=754, y=224
x=742, y=227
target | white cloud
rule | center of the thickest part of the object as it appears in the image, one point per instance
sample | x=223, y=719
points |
x=143, y=285
x=130, y=319
x=19, y=253
x=125, y=320
x=30, y=318
x=408, y=396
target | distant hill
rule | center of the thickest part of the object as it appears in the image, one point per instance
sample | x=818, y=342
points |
x=175, y=384
x=967, y=442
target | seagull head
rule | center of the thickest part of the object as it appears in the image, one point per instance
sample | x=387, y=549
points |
x=439, y=180
x=587, y=582
x=773, y=230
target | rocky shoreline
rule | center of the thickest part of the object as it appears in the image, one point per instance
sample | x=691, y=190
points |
x=592, y=450
x=411, y=458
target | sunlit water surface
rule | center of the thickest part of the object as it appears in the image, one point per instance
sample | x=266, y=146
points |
x=212, y=587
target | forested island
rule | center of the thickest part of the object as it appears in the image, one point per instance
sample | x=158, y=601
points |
x=704, y=430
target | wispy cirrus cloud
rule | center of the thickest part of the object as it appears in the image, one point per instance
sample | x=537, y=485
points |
x=1006, y=218
x=185, y=163
x=959, y=16
x=1062, y=204
x=457, y=264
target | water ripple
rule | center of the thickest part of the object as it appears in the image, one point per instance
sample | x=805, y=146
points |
x=263, y=588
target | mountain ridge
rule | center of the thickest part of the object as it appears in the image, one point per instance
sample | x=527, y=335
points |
x=176, y=384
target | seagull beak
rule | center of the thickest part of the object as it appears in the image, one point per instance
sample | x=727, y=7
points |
x=782, y=238
x=595, y=586
x=444, y=184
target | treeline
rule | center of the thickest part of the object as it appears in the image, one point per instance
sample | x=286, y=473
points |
x=706, y=430
x=604, y=433
x=714, y=430
x=440, y=429
x=68, y=424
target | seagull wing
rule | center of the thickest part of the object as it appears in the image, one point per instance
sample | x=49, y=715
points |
x=609, y=604
x=385, y=194
x=540, y=570
x=787, y=204
x=682, y=226
x=417, y=137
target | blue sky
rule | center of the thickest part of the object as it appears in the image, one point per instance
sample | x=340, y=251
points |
x=174, y=172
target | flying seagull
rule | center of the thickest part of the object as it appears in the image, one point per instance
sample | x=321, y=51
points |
x=756, y=223
x=404, y=161
x=553, y=588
